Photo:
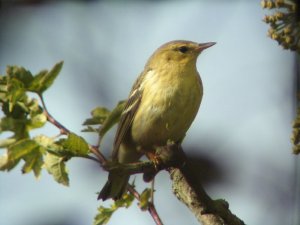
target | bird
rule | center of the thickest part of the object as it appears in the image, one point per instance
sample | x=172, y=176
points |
x=161, y=107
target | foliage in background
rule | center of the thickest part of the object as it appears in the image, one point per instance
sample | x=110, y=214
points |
x=284, y=23
x=23, y=114
x=285, y=29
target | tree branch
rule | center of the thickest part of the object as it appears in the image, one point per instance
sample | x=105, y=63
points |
x=185, y=186
x=191, y=193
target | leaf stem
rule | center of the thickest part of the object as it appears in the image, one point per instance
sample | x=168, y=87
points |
x=50, y=118
x=89, y=157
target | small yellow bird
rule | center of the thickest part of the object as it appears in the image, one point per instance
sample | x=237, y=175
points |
x=161, y=107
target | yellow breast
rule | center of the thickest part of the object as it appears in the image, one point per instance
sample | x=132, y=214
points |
x=168, y=107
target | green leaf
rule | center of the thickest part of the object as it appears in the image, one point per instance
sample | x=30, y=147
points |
x=103, y=215
x=15, y=92
x=19, y=73
x=21, y=149
x=55, y=166
x=99, y=114
x=112, y=118
x=17, y=126
x=44, y=79
x=90, y=129
x=6, y=142
x=32, y=105
x=16, y=152
x=125, y=201
x=145, y=199
x=75, y=145
x=3, y=161
x=6, y=164
x=33, y=162
x=37, y=121
x=44, y=141
x=3, y=88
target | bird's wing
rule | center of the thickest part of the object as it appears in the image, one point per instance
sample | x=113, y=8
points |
x=128, y=114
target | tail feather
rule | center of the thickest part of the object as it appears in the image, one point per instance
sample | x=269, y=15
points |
x=115, y=187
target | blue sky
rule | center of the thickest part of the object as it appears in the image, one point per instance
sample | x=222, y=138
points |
x=244, y=123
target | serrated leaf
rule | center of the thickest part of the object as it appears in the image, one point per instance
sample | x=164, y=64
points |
x=16, y=152
x=3, y=161
x=55, y=148
x=33, y=106
x=4, y=143
x=21, y=149
x=75, y=144
x=99, y=114
x=20, y=73
x=145, y=199
x=37, y=121
x=56, y=166
x=44, y=141
x=125, y=201
x=90, y=129
x=5, y=164
x=15, y=92
x=103, y=215
x=44, y=79
x=33, y=162
x=112, y=118
x=17, y=126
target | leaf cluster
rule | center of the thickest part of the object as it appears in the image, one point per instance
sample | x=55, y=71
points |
x=103, y=119
x=104, y=214
x=21, y=115
x=24, y=110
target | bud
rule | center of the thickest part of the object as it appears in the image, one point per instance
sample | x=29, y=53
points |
x=275, y=36
x=287, y=30
x=279, y=3
x=279, y=15
x=271, y=31
x=288, y=39
x=263, y=4
x=266, y=19
x=270, y=4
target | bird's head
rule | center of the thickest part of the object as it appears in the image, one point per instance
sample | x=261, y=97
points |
x=178, y=52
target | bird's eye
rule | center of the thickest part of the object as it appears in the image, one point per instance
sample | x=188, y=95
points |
x=183, y=49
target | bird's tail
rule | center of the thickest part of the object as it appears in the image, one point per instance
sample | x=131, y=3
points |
x=115, y=187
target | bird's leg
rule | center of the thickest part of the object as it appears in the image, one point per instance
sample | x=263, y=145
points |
x=153, y=157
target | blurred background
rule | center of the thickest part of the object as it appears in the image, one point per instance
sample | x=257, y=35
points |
x=239, y=142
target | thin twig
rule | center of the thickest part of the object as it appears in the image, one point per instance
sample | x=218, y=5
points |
x=50, y=118
x=98, y=154
x=89, y=157
x=66, y=131
x=151, y=207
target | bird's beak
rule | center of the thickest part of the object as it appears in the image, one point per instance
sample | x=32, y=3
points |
x=203, y=46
